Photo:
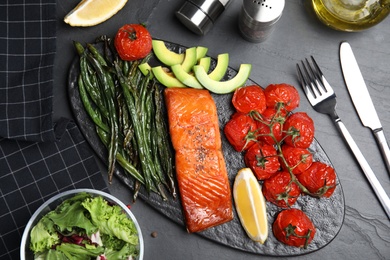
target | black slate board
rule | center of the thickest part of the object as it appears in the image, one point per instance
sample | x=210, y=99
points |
x=326, y=214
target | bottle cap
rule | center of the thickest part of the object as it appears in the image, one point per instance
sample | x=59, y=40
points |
x=200, y=15
x=257, y=18
x=264, y=11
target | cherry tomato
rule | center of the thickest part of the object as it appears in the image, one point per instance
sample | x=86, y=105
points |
x=319, y=179
x=263, y=160
x=284, y=94
x=271, y=119
x=299, y=128
x=249, y=98
x=280, y=190
x=294, y=228
x=133, y=42
x=240, y=131
x=298, y=159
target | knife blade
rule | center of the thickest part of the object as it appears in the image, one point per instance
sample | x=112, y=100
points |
x=361, y=99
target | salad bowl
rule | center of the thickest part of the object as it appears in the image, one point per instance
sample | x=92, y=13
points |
x=51, y=204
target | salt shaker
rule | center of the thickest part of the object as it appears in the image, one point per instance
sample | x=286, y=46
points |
x=200, y=15
x=258, y=17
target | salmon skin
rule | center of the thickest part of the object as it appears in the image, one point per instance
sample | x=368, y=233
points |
x=200, y=166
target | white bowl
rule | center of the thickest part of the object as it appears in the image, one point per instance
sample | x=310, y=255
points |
x=52, y=203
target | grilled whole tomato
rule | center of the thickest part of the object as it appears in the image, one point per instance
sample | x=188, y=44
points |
x=133, y=42
x=294, y=228
x=299, y=130
x=263, y=160
x=249, y=98
x=280, y=190
x=282, y=94
x=240, y=131
x=319, y=179
x=297, y=159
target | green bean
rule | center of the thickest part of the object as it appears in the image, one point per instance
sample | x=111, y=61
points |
x=91, y=87
x=88, y=107
x=97, y=55
x=137, y=187
x=79, y=48
x=156, y=158
x=163, y=143
x=150, y=112
x=126, y=68
x=127, y=141
x=107, y=84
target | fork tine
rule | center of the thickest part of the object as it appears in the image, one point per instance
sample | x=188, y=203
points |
x=305, y=85
x=310, y=81
x=315, y=81
x=321, y=77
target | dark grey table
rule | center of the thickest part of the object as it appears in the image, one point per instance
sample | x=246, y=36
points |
x=366, y=230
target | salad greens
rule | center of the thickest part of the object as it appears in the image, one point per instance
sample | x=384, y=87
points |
x=85, y=227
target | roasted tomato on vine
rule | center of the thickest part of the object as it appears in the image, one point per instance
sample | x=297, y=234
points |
x=249, y=98
x=240, y=131
x=297, y=159
x=299, y=130
x=280, y=190
x=319, y=179
x=133, y=42
x=270, y=119
x=294, y=228
x=282, y=94
x=263, y=160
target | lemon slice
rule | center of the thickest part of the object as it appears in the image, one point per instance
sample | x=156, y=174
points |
x=250, y=205
x=92, y=12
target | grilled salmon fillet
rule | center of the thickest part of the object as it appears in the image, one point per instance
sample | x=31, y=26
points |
x=200, y=166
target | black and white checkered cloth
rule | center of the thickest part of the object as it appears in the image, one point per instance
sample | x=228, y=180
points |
x=27, y=52
x=38, y=157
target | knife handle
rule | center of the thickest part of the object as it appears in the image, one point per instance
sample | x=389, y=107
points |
x=384, y=147
x=372, y=179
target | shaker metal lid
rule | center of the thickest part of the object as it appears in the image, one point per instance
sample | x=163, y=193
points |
x=264, y=10
x=200, y=15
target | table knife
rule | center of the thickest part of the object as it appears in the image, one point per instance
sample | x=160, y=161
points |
x=361, y=99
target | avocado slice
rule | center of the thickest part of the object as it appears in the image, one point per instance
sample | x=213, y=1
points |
x=184, y=77
x=165, y=55
x=223, y=87
x=201, y=52
x=189, y=59
x=220, y=69
x=166, y=78
x=205, y=63
x=146, y=69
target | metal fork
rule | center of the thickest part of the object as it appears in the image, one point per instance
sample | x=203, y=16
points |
x=323, y=99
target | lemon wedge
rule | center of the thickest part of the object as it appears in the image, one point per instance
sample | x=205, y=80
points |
x=92, y=12
x=250, y=205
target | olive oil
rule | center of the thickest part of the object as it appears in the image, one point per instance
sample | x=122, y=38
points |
x=351, y=15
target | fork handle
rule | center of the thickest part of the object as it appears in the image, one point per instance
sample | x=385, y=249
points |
x=378, y=189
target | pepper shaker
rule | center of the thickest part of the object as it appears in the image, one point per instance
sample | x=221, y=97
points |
x=200, y=15
x=258, y=17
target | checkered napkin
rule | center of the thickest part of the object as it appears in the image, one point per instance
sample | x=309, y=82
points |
x=38, y=157
x=27, y=52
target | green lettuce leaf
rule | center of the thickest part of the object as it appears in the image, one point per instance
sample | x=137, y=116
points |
x=43, y=235
x=122, y=253
x=50, y=254
x=71, y=214
x=76, y=252
x=111, y=220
